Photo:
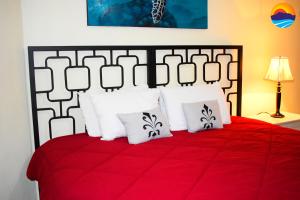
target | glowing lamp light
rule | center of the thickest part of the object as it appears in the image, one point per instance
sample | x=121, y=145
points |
x=279, y=71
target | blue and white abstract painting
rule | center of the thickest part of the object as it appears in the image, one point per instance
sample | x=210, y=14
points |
x=148, y=13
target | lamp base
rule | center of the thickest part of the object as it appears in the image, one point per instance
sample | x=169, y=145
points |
x=278, y=101
x=277, y=115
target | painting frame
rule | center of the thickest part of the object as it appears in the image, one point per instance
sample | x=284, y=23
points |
x=187, y=14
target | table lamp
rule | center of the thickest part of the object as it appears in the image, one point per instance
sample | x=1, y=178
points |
x=279, y=71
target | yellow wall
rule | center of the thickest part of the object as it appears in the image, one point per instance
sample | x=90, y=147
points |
x=262, y=40
x=248, y=23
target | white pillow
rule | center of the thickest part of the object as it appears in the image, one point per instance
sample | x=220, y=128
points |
x=145, y=126
x=89, y=113
x=174, y=97
x=202, y=115
x=108, y=105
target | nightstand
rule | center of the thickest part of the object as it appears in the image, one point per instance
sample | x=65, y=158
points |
x=291, y=120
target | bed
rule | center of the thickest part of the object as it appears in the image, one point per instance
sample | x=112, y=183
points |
x=247, y=159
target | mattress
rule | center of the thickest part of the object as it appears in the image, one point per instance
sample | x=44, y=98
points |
x=245, y=160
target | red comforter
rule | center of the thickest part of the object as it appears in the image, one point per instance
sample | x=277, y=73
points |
x=246, y=160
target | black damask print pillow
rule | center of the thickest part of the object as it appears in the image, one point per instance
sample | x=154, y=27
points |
x=151, y=124
x=208, y=117
x=202, y=115
x=145, y=126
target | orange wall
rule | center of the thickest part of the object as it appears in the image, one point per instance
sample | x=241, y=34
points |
x=248, y=23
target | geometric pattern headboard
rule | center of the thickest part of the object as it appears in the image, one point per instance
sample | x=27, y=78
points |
x=59, y=73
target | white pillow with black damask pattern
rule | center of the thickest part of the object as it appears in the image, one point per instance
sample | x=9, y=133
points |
x=202, y=115
x=145, y=126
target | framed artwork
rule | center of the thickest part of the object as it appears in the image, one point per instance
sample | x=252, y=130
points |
x=148, y=13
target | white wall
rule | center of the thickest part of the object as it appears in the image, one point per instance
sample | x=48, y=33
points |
x=15, y=147
x=63, y=22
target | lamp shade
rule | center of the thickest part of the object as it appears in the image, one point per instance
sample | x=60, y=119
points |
x=279, y=70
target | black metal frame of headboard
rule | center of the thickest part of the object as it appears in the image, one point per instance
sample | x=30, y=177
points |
x=151, y=72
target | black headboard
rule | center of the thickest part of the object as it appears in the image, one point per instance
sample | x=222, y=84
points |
x=58, y=73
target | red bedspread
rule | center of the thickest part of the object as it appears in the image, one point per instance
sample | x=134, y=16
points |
x=246, y=160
